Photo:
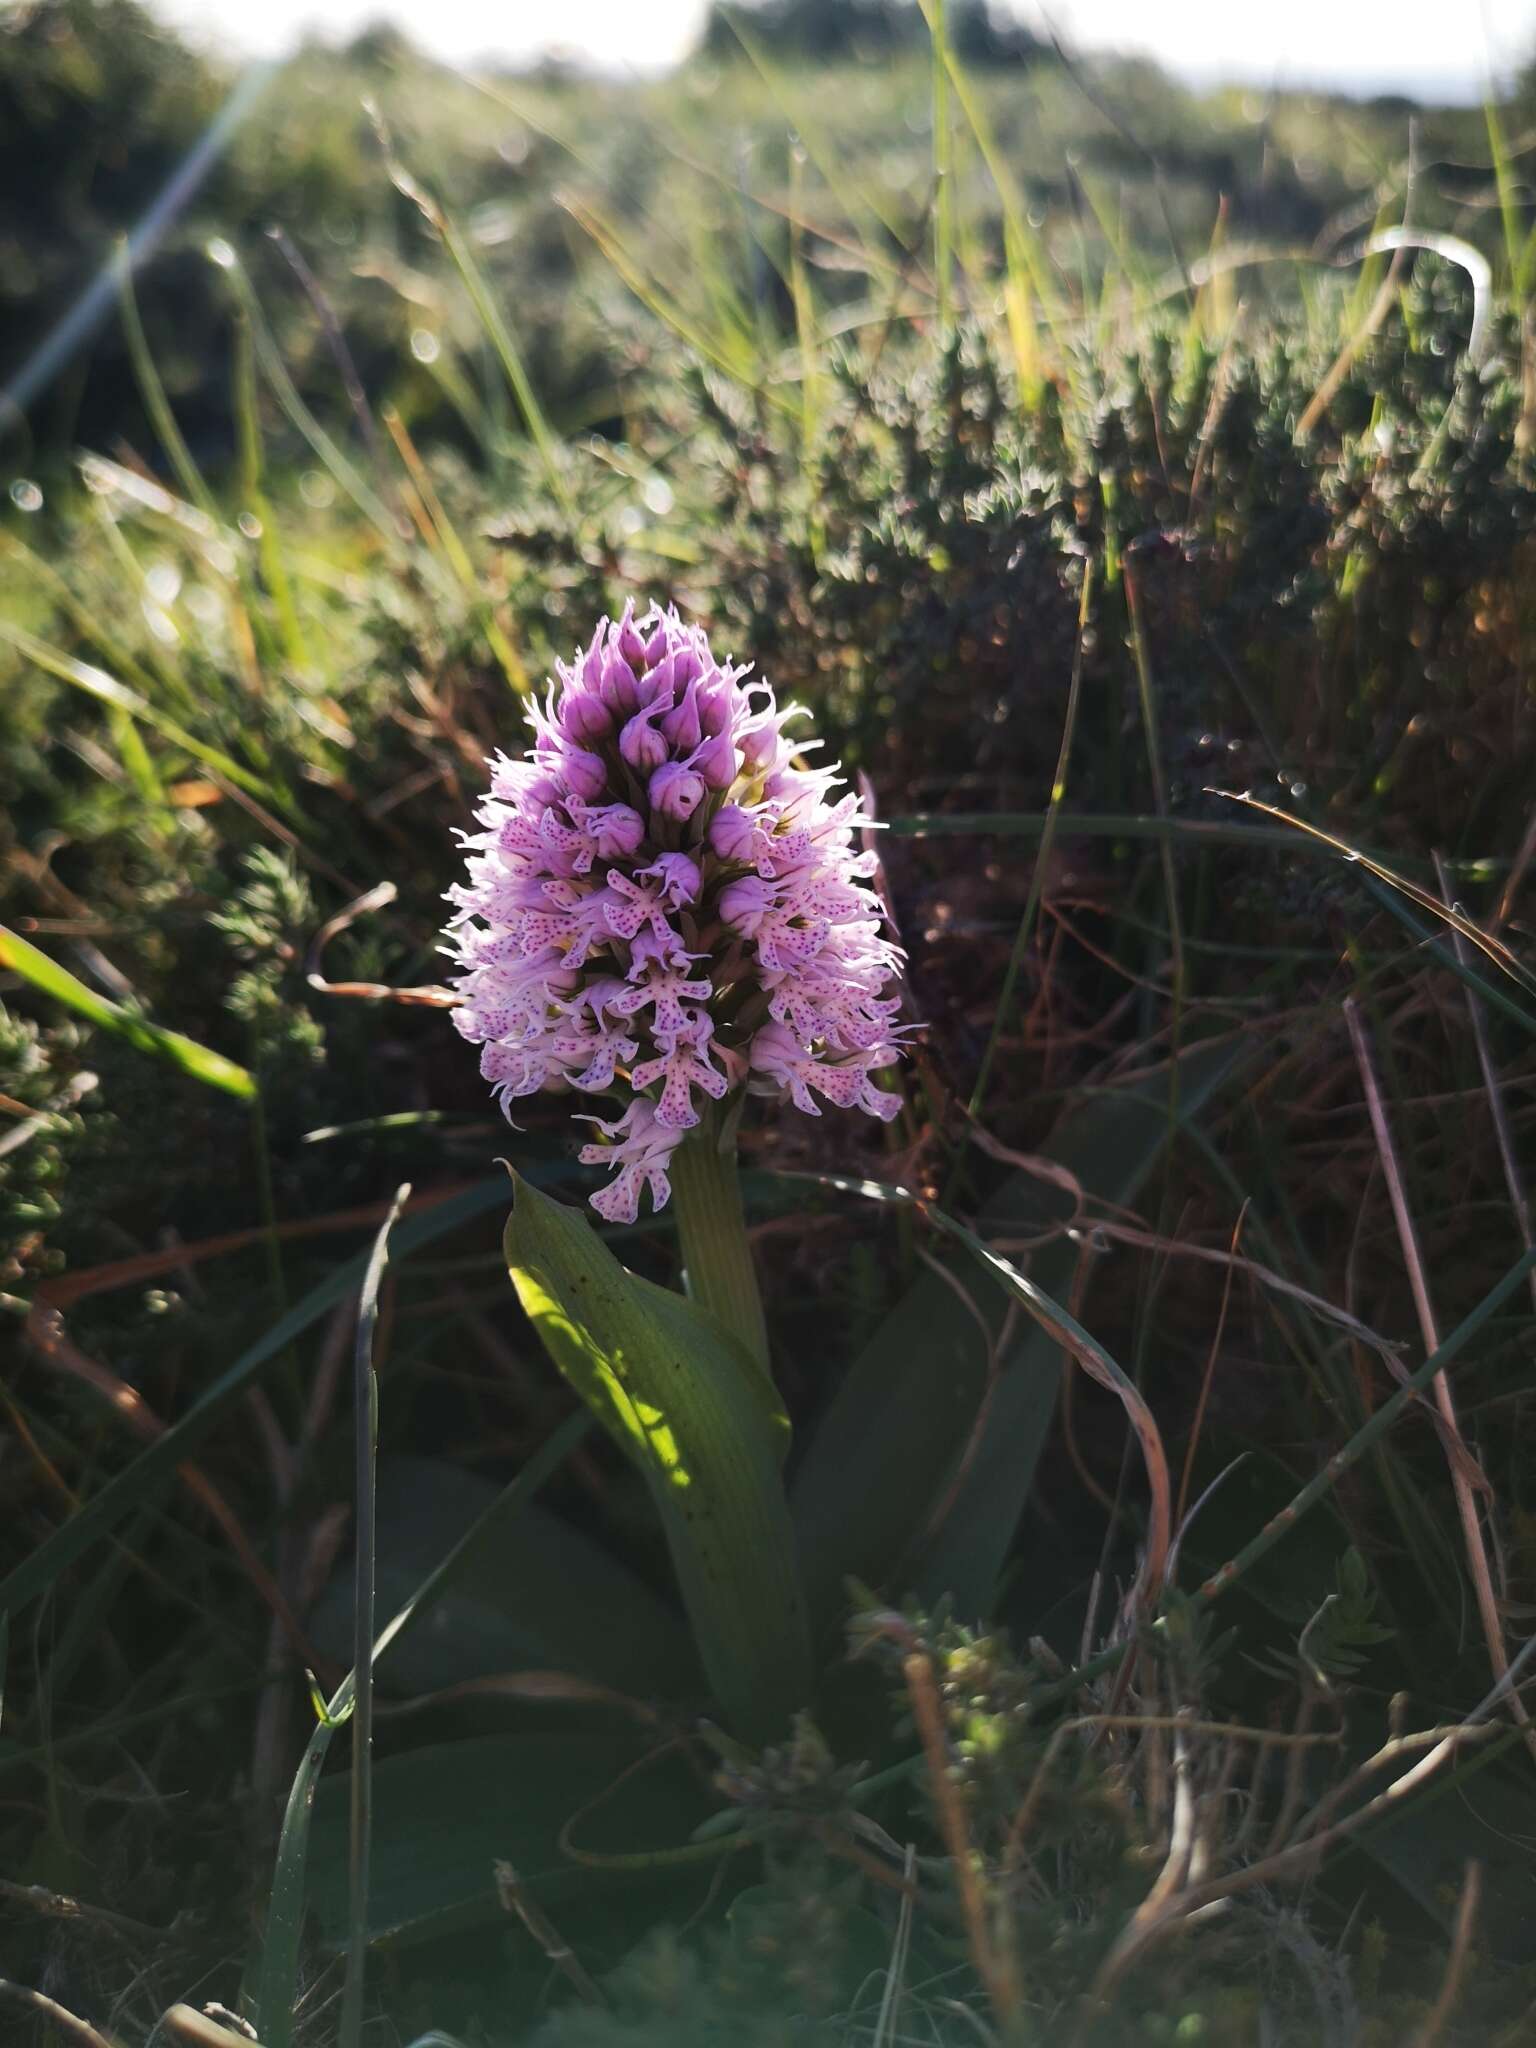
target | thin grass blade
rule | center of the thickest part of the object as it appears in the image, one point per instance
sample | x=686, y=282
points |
x=50, y=979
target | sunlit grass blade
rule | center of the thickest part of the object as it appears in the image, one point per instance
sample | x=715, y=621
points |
x=286, y=392
x=492, y=319
x=454, y=552
x=152, y=391
x=728, y=352
x=864, y=205
x=108, y=690
x=1032, y=277
x=50, y=979
x=1491, y=948
x=253, y=493
x=943, y=163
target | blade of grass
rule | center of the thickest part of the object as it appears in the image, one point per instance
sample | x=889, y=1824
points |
x=1065, y=1332
x=365, y=1426
x=713, y=349
x=96, y=1516
x=108, y=690
x=489, y=313
x=943, y=162
x=278, y=1973
x=152, y=391
x=865, y=206
x=1509, y=204
x=1467, y=1511
x=47, y=976
x=85, y=620
x=921, y=1418
x=1049, y=825
x=1490, y=947
x=1279, y=1526
x=249, y=449
x=1451, y=957
x=1148, y=701
x=455, y=553
x=1128, y=825
x=1519, y=1200
x=275, y=370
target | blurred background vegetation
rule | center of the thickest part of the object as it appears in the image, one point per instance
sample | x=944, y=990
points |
x=1126, y=172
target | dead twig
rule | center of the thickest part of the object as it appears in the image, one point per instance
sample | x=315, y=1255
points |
x=431, y=995
x=1456, y=1962
x=49, y=2009
x=518, y=1900
x=992, y=1970
x=1461, y=1483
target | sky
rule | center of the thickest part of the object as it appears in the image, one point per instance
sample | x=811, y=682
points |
x=1422, y=46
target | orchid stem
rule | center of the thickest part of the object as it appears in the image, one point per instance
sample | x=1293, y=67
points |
x=717, y=1259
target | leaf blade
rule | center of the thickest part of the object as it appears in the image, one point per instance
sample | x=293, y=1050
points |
x=683, y=1401
x=51, y=979
x=900, y=1424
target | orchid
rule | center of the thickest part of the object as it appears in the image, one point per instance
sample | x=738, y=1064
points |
x=666, y=905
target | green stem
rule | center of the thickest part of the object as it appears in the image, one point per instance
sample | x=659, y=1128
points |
x=717, y=1258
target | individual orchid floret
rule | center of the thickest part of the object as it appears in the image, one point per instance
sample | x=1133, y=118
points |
x=664, y=905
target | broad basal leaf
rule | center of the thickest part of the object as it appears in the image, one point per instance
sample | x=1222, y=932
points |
x=907, y=1432
x=688, y=1405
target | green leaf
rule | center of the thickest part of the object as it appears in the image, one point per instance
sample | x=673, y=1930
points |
x=445, y=1813
x=910, y=1409
x=686, y=1403
x=544, y=1596
x=53, y=980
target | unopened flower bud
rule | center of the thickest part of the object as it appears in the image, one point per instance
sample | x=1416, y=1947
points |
x=584, y=716
x=731, y=832
x=744, y=903
x=675, y=791
x=641, y=744
x=714, y=761
x=586, y=774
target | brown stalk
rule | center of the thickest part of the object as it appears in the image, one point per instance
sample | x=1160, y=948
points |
x=924, y=1693
x=1089, y=1483
x=431, y=995
x=49, y=2010
x=1208, y=1375
x=1456, y=1962
x=517, y=1899
x=1466, y=1503
x=202, y=2030
x=69, y=1288
x=1285, y=1864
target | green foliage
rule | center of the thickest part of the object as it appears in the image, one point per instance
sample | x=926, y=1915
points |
x=690, y=1406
